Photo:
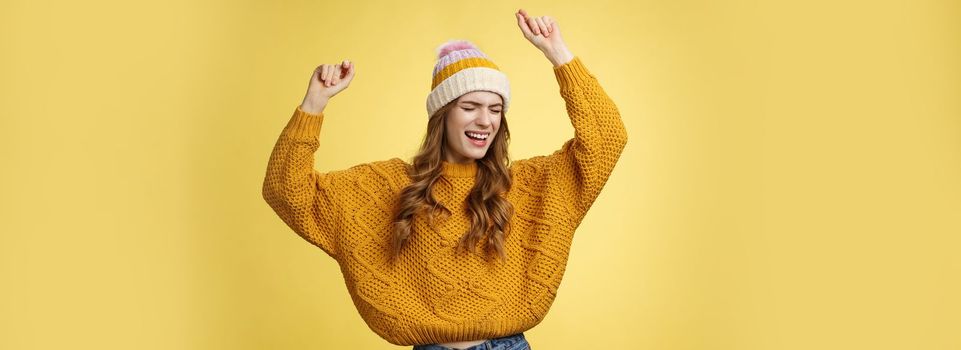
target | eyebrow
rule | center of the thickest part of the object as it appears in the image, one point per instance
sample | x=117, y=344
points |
x=480, y=104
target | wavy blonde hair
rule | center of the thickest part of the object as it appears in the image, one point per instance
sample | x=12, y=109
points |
x=489, y=212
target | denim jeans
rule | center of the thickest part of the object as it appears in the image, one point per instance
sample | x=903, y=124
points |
x=511, y=342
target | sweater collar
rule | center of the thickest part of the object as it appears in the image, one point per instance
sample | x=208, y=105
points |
x=459, y=170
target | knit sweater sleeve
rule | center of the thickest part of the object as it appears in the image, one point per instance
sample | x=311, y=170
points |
x=308, y=201
x=579, y=169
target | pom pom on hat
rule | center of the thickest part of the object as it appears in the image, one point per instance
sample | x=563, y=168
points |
x=454, y=45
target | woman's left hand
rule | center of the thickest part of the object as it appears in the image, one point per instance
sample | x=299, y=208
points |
x=545, y=33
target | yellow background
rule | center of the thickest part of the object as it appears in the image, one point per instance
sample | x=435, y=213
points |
x=792, y=179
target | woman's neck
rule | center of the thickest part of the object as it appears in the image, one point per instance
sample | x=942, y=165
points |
x=452, y=169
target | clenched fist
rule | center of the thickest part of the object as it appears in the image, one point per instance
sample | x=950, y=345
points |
x=545, y=34
x=326, y=81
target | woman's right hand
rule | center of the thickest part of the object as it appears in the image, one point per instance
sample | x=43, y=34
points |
x=326, y=81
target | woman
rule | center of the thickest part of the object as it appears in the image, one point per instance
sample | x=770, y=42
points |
x=459, y=249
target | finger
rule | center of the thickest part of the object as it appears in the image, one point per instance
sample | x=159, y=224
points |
x=533, y=24
x=350, y=72
x=541, y=26
x=344, y=69
x=334, y=71
x=550, y=24
x=323, y=74
x=342, y=73
x=328, y=72
x=522, y=24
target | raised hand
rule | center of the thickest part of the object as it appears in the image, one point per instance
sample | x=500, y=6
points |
x=326, y=81
x=545, y=34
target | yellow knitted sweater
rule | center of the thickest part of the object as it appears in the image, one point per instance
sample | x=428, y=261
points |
x=432, y=294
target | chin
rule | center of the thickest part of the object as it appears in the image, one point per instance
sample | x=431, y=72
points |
x=475, y=155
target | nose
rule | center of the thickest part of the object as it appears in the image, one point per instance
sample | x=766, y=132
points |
x=484, y=119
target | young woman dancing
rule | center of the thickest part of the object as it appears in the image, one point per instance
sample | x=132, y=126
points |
x=460, y=248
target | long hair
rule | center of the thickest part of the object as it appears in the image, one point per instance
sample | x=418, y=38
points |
x=489, y=212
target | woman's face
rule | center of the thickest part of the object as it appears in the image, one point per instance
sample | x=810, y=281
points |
x=472, y=125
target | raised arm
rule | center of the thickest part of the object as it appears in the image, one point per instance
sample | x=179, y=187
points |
x=303, y=197
x=581, y=167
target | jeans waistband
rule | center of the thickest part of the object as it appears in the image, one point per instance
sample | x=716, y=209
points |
x=510, y=342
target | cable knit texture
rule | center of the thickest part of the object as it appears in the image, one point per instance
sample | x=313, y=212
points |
x=432, y=294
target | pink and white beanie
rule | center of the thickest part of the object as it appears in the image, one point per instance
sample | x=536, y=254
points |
x=461, y=68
